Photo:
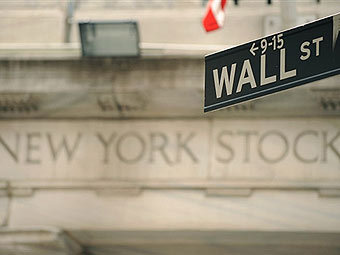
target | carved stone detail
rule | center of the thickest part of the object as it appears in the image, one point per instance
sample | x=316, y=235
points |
x=18, y=103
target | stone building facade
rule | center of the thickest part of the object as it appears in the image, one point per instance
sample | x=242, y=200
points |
x=115, y=155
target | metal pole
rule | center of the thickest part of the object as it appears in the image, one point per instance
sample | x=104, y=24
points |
x=70, y=7
x=288, y=13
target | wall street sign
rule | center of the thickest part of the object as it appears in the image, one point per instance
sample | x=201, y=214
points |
x=274, y=63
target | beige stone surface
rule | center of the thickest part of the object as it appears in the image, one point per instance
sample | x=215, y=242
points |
x=37, y=241
x=31, y=26
x=4, y=210
x=117, y=145
x=155, y=87
x=60, y=150
x=173, y=22
x=177, y=209
x=272, y=150
x=267, y=151
x=51, y=241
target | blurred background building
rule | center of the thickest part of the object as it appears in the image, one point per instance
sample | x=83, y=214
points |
x=113, y=155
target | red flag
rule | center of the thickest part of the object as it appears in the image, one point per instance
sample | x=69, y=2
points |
x=214, y=17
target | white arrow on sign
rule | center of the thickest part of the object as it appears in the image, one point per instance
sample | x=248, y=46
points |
x=253, y=49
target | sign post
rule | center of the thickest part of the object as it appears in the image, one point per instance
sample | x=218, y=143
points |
x=274, y=63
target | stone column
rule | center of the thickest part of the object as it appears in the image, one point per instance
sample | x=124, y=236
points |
x=288, y=13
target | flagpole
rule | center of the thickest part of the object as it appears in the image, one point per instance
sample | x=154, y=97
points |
x=68, y=20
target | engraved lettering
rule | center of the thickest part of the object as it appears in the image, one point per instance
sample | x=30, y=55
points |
x=285, y=147
x=33, y=146
x=247, y=136
x=329, y=145
x=182, y=145
x=297, y=142
x=106, y=144
x=228, y=148
x=158, y=142
x=63, y=145
x=14, y=152
x=125, y=157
